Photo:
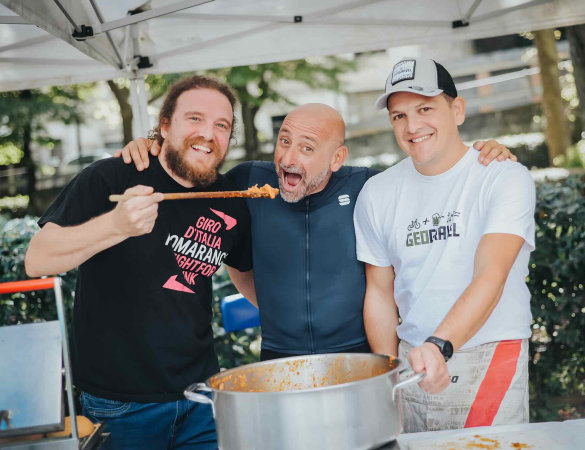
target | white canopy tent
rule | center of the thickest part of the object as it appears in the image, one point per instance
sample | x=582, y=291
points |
x=54, y=42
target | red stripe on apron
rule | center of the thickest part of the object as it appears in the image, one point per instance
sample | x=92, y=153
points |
x=495, y=384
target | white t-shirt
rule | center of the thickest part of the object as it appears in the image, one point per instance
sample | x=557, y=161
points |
x=429, y=227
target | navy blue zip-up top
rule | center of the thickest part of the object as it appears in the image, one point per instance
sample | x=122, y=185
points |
x=309, y=284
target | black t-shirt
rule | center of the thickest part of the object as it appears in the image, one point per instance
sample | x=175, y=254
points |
x=142, y=315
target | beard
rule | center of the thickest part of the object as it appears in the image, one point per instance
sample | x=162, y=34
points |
x=199, y=176
x=306, y=187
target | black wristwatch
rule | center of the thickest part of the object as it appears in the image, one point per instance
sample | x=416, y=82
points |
x=445, y=347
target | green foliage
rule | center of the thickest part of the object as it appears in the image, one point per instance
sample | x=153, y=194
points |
x=258, y=83
x=10, y=154
x=574, y=158
x=158, y=84
x=13, y=204
x=558, y=298
x=23, y=115
x=254, y=85
x=31, y=109
x=32, y=306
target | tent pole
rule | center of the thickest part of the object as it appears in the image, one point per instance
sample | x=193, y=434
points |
x=142, y=100
x=108, y=34
x=14, y=20
x=69, y=18
x=140, y=121
x=147, y=15
x=27, y=43
x=471, y=11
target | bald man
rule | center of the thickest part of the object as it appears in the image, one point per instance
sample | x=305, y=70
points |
x=309, y=149
x=306, y=281
x=309, y=285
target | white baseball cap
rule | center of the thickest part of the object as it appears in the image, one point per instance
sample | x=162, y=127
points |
x=420, y=76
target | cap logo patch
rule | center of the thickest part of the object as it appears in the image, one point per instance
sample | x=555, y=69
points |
x=344, y=199
x=404, y=70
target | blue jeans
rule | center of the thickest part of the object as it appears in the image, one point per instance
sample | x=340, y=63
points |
x=180, y=424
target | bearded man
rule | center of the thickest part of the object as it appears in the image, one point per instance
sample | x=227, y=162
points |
x=142, y=315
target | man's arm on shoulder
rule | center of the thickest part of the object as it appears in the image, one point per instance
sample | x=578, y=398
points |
x=244, y=283
x=56, y=249
x=137, y=151
x=492, y=149
x=380, y=314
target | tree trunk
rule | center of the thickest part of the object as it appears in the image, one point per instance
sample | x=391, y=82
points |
x=27, y=160
x=122, y=94
x=251, y=144
x=576, y=37
x=556, y=129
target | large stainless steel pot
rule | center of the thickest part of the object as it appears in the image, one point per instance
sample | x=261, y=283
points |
x=334, y=401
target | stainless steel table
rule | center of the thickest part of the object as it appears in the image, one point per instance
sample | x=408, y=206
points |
x=568, y=435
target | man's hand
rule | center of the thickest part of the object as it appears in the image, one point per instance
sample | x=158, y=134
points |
x=136, y=216
x=137, y=151
x=490, y=150
x=428, y=357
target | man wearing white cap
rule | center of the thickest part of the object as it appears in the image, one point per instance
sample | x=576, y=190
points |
x=446, y=242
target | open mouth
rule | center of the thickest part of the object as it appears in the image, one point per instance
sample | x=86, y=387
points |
x=290, y=180
x=420, y=139
x=201, y=148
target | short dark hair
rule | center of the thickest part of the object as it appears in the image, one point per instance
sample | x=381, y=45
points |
x=186, y=84
x=448, y=98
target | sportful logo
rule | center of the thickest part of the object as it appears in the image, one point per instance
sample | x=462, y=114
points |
x=344, y=199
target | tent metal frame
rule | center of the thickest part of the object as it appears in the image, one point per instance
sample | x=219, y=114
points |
x=129, y=60
x=105, y=27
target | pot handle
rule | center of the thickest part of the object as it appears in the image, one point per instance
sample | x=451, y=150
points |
x=190, y=393
x=410, y=380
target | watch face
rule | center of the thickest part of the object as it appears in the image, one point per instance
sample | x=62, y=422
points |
x=447, y=349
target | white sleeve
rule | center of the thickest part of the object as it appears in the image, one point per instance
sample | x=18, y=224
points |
x=370, y=245
x=511, y=204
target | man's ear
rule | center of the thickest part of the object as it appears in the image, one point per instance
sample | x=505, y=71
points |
x=338, y=158
x=164, y=128
x=458, y=106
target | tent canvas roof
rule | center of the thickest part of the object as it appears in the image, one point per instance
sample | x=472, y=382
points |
x=37, y=48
